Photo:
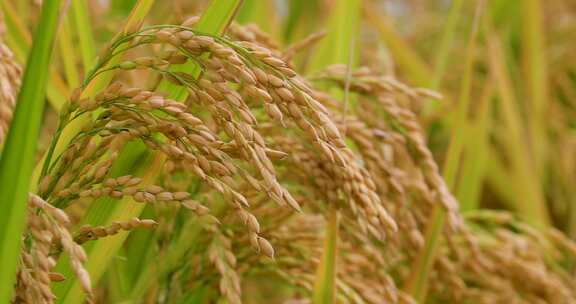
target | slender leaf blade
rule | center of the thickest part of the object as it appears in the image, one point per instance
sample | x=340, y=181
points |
x=81, y=20
x=325, y=283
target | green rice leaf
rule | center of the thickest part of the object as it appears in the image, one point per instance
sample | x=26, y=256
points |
x=342, y=28
x=531, y=206
x=301, y=15
x=68, y=53
x=404, y=55
x=325, y=283
x=476, y=154
x=535, y=76
x=81, y=20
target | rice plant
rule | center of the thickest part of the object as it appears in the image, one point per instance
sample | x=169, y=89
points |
x=285, y=152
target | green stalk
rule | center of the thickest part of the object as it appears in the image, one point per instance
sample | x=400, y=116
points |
x=446, y=43
x=301, y=18
x=262, y=13
x=531, y=206
x=535, y=76
x=342, y=28
x=325, y=283
x=171, y=257
x=23, y=8
x=17, y=158
x=81, y=20
x=406, y=57
x=444, y=48
x=68, y=53
x=417, y=284
x=500, y=180
x=476, y=154
x=17, y=35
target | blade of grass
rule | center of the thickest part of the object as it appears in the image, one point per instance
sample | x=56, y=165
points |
x=262, y=13
x=342, y=28
x=81, y=20
x=325, y=283
x=476, y=155
x=535, y=76
x=116, y=283
x=17, y=158
x=446, y=42
x=171, y=258
x=23, y=8
x=531, y=206
x=17, y=36
x=301, y=14
x=406, y=57
x=417, y=284
x=68, y=53
x=499, y=178
x=444, y=48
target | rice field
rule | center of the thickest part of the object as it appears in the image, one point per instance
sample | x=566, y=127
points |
x=293, y=152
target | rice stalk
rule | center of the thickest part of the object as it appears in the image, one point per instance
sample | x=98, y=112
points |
x=263, y=14
x=67, y=53
x=476, y=154
x=343, y=26
x=535, y=76
x=81, y=20
x=535, y=211
x=103, y=213
x=403, y=54
x=64, y=186
x=324, y=289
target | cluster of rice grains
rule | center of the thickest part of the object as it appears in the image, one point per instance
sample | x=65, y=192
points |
x=492, y=258
x=253, y=143
x=9, y=84
x=47, y=236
